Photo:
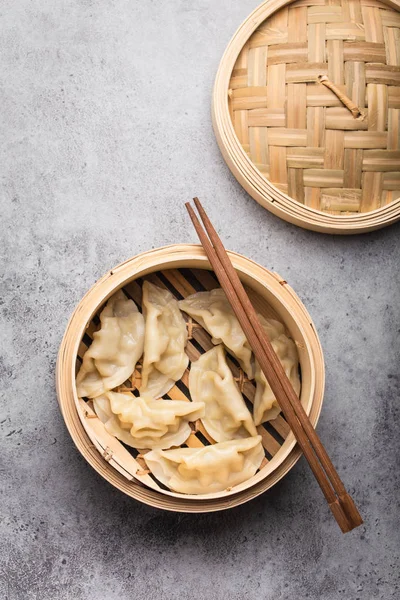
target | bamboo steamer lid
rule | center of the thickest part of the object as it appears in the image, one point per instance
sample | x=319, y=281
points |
x=180, y=267
x=288, y=139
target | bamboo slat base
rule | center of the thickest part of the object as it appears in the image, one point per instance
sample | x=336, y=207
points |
x=277, y=124
x=183, y=270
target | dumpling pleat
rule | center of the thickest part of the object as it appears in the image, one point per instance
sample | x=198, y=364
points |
x=147, y=423
x=207, y=470
x=117, y=346
x=226, y=414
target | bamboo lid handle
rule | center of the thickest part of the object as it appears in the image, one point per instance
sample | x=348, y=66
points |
x=353, y=108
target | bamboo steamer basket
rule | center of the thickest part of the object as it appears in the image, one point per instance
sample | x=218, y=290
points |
x=183, y=269
x=288, y=139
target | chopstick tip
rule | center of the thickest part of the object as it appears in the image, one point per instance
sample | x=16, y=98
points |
x=197, y=203
x=191, y=212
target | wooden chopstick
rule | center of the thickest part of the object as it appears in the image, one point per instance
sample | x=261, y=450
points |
x=272, y=378
x=342, y=507
x=344, y=498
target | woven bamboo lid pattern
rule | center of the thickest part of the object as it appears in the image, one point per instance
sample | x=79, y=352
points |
x=343, y=172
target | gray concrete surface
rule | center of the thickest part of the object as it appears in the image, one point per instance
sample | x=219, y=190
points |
x=105, y=120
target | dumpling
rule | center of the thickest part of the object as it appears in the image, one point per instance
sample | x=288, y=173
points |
x=266, y=406
x=226, y=414
x=145, y=423
x=112, y=356
x=209, y=469
x=213, y=311
x=164, y=360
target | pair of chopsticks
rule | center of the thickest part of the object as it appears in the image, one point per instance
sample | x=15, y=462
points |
x=340, y=502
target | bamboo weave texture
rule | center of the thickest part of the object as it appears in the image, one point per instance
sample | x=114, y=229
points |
x=295, y=130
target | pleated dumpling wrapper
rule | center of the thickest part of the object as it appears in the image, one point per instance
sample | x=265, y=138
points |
x=213, y=311
x=209, y=469
x=265, y=406
x=145, y=423
x=164, y=359
x=117, y=346
x=226, y=414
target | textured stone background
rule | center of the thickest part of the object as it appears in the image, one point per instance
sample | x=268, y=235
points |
x=105, y=107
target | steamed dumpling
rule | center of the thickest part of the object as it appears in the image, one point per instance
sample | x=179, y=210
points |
x=226, y=414
x=209, y=469
x=164, y=360
x=266, y=406
x=111, y=358
x=144, y=423
x=213, y=311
